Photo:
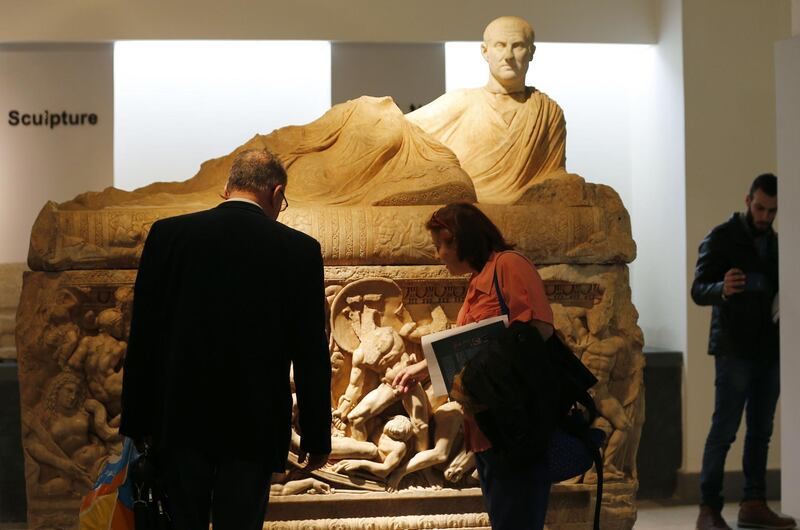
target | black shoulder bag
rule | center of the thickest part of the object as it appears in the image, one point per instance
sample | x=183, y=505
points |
x=526, y=394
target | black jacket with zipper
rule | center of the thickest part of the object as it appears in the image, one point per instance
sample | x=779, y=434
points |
x=741, y=325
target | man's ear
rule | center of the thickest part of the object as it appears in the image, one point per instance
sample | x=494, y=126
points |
x=747, y=200
x=533, y=51
x=484, y=51
x=276, y=198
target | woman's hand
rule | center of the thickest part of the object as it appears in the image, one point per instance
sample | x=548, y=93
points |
x=410, y=375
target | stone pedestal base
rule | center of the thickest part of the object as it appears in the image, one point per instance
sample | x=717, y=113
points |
x=571, y=508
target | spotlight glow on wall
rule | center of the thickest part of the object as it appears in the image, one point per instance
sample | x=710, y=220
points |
x=180, y=103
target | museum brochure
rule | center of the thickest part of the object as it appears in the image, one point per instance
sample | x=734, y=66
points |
x=447, y=351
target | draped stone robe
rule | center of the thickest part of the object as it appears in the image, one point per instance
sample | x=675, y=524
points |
x=504, y=142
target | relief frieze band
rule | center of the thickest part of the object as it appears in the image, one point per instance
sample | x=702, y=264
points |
x=112, y=238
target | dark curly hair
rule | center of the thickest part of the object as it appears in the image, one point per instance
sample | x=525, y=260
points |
x=767, y=182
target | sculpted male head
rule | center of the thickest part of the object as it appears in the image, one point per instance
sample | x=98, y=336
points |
x=110, y=321
x=398, y=428
x=64, y=394
x=508, y=49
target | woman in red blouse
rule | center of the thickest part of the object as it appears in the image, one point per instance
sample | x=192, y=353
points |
x=467, y=242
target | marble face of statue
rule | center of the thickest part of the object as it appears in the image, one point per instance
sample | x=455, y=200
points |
x=67, y=398
x=398, y=428
x=508, y=49
x=64, y=395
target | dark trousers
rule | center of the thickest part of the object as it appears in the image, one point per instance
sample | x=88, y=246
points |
x=515, y=492
x=234, y=493
x=741, y=384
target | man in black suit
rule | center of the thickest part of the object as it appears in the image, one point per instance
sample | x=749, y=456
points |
x=225, y=301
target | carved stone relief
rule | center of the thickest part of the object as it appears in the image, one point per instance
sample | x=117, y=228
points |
x=607, y=339
x=593, y=315
x=572, y=222
x=72, y=339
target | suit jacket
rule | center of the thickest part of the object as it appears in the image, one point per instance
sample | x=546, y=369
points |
x=741, y=325
x=225, y=300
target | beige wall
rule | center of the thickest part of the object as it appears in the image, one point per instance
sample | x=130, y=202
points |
x=795, y=17
x=787, y=59
x=345, y=20
x=412, y=74
x=730, y=138
x=38, y=164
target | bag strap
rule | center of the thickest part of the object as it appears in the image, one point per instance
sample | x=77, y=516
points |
x=597, y=456
x=586, y=400
x=500, y=298
x=503, y=305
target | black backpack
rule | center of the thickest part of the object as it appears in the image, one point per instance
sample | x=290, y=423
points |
x=525, y=392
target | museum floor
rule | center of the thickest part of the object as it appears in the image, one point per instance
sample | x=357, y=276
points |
x=660, y=515
x=653, y=515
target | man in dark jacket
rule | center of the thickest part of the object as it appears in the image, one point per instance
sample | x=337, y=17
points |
x=737, y=274
x=225, y=301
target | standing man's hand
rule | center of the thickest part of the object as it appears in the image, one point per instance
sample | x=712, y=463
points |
x=143, y=443
x=734, y=282
x=311, y=461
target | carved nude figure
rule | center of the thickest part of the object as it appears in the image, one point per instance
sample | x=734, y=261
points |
x=392, y=447
x=380, y=356
x=100, y=358
x=448, y=419
x=65, y=436
x=61, y=335
x=600, y=356
x=365, y=318
x=296, y=487
x=342, y=447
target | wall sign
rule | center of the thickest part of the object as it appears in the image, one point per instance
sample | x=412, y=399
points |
x=51, y=120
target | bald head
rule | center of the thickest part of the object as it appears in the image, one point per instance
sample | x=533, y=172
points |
x=508, y=49
x=502, y=24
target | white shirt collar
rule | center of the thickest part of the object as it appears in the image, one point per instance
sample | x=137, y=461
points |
x=240, y=199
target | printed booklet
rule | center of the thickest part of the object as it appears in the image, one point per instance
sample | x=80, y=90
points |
x=447, y=351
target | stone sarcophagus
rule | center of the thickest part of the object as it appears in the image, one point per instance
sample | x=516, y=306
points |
x=72, y=328
x=363, y=180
